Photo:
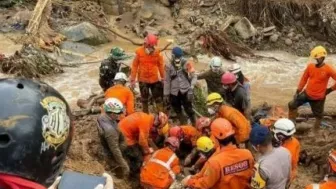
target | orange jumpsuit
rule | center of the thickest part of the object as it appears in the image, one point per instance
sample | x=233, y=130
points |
x=317, y=80
x=124, y=94
x=190, y=134
x=293, y=146
x=160, y=170
x=325, y=185
x=239, y=122
x=146, y=67
x=136, y=128
x=230, y=168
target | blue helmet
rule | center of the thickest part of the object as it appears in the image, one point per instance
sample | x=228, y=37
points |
x=177, y=52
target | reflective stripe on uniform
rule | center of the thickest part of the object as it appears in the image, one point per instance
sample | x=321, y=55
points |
x=316, y=186
x=165, y=164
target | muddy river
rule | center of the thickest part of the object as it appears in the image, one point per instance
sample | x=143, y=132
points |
x=271, y=81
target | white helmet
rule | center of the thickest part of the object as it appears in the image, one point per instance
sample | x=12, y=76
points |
x=113, y=105
x=284, y=126
x=215, y=62
x=120, y=76
x=235, y=68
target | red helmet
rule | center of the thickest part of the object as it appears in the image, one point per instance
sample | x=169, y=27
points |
x=176, y=131
x=228, y=78
x=151, y=40
x=173, y=141
x=202, y=122
x=221, y=128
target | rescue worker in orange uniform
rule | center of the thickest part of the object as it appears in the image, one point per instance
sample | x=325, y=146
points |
x=229, y=168
x=313, y=86
x=284, y=130
x=121, y=92
x=160, y=170
x=136, y=130
x=187, y=135
x=217, y=107
x=147, y=65
x=330, y=179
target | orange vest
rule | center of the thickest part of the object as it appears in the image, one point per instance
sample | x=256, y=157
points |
x=293, y=146
x=147, y=67
x=136, y=128
x=161, y=169
x=230, y=168
x=190, y=134
x=239, y=122
x=325, y=185
x=124, y=94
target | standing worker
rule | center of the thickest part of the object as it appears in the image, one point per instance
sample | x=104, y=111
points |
x=160, y=170
x=110, y=66
x=235, y=94
x=274, y=166
x=136, y=130
x=213, y=76
x=313, y=86
x=110, y=134
x=284, y=130
x=330, y=179
x=218, y=108
x=147, y=65
x=236, y=69
x=179, y=83
x=229, y=168
x=121, y=92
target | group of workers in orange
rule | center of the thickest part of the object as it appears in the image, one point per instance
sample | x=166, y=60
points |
x=219, y=148
x=225, y=150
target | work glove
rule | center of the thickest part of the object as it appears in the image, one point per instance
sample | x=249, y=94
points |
x=55, y=184
x=190, y=95
x=329, y=90
x=166, y=99
x=108, y=183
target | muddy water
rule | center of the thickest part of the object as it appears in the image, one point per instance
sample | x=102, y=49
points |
x=272, y=81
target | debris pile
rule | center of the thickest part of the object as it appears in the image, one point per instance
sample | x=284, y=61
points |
x=30, y=63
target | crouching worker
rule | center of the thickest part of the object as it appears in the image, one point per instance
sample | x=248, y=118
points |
x=33, y=146
x=187, y=135
x=110, y=135
x=229, y=168
x=330, y=179
x=284, y=130
x=160, y=170
x=136, y=130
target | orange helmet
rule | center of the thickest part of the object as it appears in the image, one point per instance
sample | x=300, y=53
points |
x=202, y=122
x=176, y=131
x=221, y=128
x=163, y=118
x=332, y=160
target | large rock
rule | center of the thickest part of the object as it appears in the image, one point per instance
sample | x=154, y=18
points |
x=245, y=29
x=85, y=33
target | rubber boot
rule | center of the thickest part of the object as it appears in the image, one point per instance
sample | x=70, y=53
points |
x=317, y=123
x=145, y=107
x=292, y=115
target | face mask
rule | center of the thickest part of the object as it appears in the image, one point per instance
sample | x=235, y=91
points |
x=216, y=69
x=211, y=111
x=226, y=87
x=149, y=50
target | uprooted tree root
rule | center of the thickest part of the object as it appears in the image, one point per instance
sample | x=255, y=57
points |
x=218, y=43
x=30, y=63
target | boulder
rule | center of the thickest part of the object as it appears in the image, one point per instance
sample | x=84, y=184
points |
x=274, y=38
x=288, y=42
x=245, y=29
x=85, y=33
x=72, y=51
x=146, y=14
